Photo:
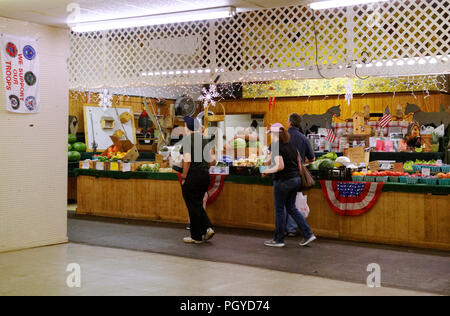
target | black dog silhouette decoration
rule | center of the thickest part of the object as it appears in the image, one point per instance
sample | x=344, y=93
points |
x=321, y=121
x=428, y=118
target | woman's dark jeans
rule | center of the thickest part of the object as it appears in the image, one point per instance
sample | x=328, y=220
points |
x=285, y=194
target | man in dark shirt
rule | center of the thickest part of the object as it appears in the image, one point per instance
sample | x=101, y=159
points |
x=298, y=139
x=303, y=146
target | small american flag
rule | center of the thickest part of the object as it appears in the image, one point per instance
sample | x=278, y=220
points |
x=331, y=136
x=386, y=119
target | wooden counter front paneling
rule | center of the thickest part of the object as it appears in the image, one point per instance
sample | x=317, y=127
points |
x=409, y=219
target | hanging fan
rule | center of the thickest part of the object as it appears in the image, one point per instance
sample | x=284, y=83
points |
x=185, y=106
x=201, y=116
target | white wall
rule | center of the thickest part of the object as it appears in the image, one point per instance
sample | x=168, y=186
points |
x=33, y=149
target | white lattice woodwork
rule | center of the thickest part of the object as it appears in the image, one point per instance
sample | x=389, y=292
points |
x=388, y=38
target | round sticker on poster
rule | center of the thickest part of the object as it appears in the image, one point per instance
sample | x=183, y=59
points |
x=11, y=49
x=29, y=52
x=30, y=78
x=14, y=102
x=30, y=103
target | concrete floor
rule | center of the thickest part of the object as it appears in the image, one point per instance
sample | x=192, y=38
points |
x=107, y=271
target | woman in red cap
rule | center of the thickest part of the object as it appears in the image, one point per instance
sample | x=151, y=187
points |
x=287, y=181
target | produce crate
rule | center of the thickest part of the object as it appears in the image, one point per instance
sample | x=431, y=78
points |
x=411, y=180
x=244, y=171
x=429, y=181
x=444, y=181
x=370, y=178
x=358, y=178
x=402, y=179
x=445, y=169
x=417, y=168
x=382, y=179
x=435, y=169
x=394, y=179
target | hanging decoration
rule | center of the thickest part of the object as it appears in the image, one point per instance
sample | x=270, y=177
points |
x=351, y=198
x=208, y=96
x=271, y=98
x=105, y=99
x=349, y=92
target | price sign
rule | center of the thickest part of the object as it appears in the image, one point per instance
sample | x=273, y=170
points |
x=114, y=166
x=99, y=166
x=85, y=165
x=374, y=165
x=426, y=172
x=356, y=155
x=398, y=167
x=126, y=167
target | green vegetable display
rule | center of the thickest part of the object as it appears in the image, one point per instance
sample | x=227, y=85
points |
x=239, y=143
x=80, y=147
x=326, y=164
x=332, y=156
x=74, y=156
x=72, y=138
x=69, y=147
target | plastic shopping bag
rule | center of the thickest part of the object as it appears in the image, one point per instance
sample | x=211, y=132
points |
x=302, y=204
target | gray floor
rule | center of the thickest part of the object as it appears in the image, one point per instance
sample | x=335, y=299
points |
x=108, y=271
x=403, y=268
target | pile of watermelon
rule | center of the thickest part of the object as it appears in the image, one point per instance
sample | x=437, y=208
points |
x=75, y=148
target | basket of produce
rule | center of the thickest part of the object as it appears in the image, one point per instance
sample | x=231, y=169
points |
x=417, y=168
x=435, y=169
x=394, y=179
x=429, y=180
x=402, y=179
x=412, y=180
x=445, y=168
x=382, y=179
x=369, y=178
x=358, y=176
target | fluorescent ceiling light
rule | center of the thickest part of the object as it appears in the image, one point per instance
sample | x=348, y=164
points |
x=176, y=17
x=339, y=3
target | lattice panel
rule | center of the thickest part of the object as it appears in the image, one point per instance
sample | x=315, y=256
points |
x=391, y=38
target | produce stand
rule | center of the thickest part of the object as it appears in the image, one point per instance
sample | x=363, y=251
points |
x=410, y=215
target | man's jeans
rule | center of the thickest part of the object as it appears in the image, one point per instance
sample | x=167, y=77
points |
x=285, y=194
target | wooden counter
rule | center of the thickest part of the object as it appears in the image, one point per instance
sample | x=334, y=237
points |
x=398, y=218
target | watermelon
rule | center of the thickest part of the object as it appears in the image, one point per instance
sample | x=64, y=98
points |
x=74, y=156
x=70, y=147
x=72, y=138
x=80, y=147
x=326, y=164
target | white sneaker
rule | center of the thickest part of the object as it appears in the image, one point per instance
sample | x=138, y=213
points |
x=209, y=234
x=189, y=240
x=273, y=243
x=306, y=242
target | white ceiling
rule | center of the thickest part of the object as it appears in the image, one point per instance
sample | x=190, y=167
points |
x=53, y=12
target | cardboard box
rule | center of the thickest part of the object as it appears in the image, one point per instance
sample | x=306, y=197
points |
x=125, y=146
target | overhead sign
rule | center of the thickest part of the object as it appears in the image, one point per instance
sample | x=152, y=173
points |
x=20, y=67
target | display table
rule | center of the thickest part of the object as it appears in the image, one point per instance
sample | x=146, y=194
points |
x=404, y=214
x=398, y=156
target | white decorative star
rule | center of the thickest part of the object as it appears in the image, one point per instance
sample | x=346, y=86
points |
x=208, y=96
x=105, y=99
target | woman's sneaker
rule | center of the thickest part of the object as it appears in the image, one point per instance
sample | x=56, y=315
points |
x=273, y=243
x=209, y=234
x=305, y=242
x=189, y=240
